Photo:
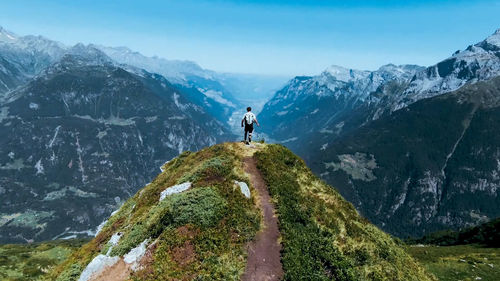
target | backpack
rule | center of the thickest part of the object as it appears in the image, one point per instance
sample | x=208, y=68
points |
x=249, y=117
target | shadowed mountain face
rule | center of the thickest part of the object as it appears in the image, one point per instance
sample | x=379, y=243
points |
x=405, y=168
x=84, y=136
x=430, y=166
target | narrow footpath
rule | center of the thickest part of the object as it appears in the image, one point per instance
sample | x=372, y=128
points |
x=263, y=263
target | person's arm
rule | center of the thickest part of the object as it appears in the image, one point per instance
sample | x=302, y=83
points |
x=242, y=120
x=257, y=122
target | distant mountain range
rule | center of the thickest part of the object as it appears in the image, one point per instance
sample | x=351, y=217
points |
x=85, y=126
x=412, y=155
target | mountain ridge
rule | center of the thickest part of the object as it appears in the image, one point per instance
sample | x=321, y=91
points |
x=319, y=243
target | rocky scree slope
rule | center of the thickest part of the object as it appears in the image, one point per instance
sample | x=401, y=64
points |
x=193, y=222
x=82, y=137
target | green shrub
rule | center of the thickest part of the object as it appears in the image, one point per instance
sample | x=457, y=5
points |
x=200, y=206
x=71, y=273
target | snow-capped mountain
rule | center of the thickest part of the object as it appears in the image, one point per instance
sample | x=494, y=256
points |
x=186, y=74
x=323, y=103
x=476, y=63
x=176, y=71
x=22, y=57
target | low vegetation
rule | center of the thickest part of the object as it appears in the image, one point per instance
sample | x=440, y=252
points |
x=323, y=237
x=463, y=262
x=199, y=234
x=32, y=261
x=486, y=234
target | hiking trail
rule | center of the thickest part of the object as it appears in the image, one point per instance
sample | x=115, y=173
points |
x=264, y=260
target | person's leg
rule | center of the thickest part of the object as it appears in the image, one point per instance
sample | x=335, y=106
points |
x=250, y=133
x=245, y=138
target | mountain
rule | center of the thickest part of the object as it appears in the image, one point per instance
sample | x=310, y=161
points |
x=398, y=164
x=324, y=104
x=202, y=84
x=476, y=63
x=223, y=95
x=82, y=136
x=21, y=58
x=199, y=220
x=432, y=165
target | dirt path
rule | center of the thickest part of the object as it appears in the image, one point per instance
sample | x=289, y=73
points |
x=263, y=262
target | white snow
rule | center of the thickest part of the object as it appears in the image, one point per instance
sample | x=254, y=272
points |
x=34, y=106
x=243, y=188
x=178, y=188
x=345, y=75
x=494, y=39
x=134, y=256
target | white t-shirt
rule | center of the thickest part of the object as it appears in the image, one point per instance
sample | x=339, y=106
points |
x=249, y=118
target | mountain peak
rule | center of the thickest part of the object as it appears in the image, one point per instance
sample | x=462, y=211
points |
x=494, y=39
x=7, y=36
x=89, y=53
x=345, y=74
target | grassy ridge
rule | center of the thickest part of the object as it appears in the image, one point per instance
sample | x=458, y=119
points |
x=323, y=236
x=199, y=234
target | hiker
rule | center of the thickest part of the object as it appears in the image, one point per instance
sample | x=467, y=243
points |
x=249, y=118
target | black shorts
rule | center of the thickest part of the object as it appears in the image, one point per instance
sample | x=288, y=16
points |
x=249, y=128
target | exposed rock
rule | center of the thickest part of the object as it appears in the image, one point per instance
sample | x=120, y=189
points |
x=178, y=188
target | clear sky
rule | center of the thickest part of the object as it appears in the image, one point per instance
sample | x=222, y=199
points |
x=266, y=37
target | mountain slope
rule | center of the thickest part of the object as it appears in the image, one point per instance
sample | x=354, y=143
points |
x=433, y=165
x=84, y=136
x=167, y=232
x=203, y=85
x=327, y=103
x=486, y=234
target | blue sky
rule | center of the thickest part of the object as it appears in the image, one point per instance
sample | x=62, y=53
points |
x=266, y=37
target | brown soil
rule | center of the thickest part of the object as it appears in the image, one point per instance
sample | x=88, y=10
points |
x=120, y=271
x=184, y=254
x=263, y=262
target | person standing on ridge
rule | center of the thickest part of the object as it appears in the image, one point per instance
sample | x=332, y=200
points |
x=249, y=118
